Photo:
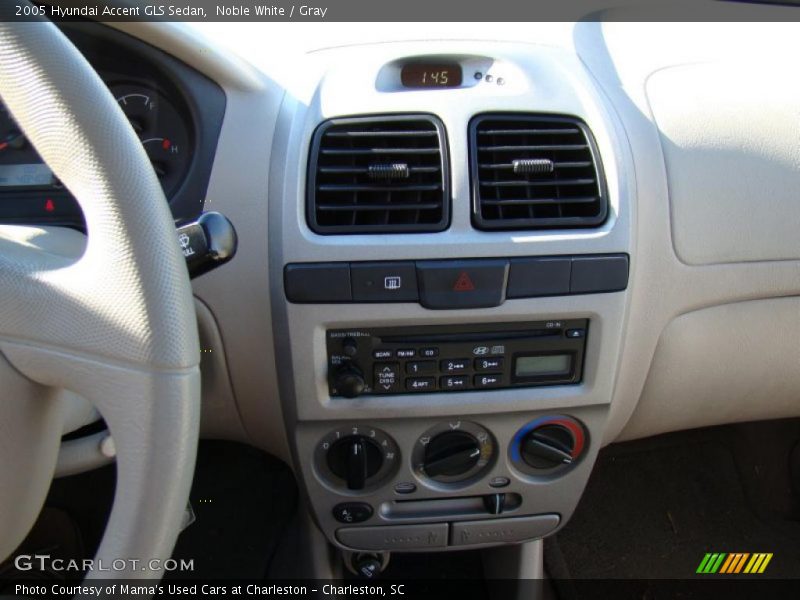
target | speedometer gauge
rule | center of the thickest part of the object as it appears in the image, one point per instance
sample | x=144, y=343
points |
x=161, y=130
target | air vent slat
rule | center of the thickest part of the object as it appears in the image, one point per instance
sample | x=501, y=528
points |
x=379, y=207
x=367, y=151
x=534, y=201
x=379, y=175
x=564, y=131
x=419, y=133
x=557, y=165
x=555, y=182
x=365, y=170
x=537, y=147
x=535, y=171
x=343, y=187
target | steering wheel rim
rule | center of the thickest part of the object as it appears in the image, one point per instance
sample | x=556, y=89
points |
x=116, y=326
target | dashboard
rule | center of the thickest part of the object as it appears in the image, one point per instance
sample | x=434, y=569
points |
x=467, y=264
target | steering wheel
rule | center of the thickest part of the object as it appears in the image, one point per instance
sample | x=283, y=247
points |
x=116, y=326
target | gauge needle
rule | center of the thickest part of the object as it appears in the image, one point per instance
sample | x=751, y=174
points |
x=14, y=140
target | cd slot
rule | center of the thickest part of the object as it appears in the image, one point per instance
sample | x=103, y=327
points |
x=438, y=338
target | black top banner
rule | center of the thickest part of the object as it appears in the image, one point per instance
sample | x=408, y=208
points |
x=399, y=10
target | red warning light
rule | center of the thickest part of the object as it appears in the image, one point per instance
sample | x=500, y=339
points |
x=166, y=144
x=49, y=205
x=463, y=283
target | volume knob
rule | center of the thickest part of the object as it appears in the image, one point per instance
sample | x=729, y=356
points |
x=349, y=382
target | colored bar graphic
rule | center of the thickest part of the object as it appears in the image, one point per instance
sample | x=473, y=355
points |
x=711, y=562
x=728, y=562
x=764, y=564
x=742, y=558
x=734, y=563
x=703, y=563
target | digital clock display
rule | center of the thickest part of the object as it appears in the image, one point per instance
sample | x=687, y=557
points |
x=428, y=75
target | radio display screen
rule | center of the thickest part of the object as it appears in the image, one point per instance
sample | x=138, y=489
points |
x=542, y=365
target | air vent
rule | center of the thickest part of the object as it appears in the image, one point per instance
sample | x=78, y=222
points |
x=535, y=172
x=379, y=175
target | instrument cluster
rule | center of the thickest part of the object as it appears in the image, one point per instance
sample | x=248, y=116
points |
x=175, y=111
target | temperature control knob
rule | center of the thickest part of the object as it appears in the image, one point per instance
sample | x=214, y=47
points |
x=548, y=443
x=349, y=382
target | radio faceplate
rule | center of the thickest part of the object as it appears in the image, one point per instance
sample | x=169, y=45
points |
x=451, y=358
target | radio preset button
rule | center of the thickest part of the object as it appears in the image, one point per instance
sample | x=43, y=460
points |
x=406, y=353
x=488, y=364
x=454, y=382
x=429, y=352
x=488, y=380
x=420, y=384
x=387, y=377
x=455, y=365
x=421, y=367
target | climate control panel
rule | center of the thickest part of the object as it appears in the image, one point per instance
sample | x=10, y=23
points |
x=455, y=357
x=413, y=485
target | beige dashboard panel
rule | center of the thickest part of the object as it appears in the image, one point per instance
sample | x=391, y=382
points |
x=729, y=134
x=732, y=363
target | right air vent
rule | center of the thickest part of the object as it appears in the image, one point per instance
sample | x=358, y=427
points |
x=535, y=172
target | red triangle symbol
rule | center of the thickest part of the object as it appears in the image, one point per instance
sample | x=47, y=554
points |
x=49, y=205
x=463, y=283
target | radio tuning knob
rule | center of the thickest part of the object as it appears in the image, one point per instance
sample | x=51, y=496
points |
x=349, y=381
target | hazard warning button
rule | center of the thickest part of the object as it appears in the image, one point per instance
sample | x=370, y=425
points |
x=462, y=283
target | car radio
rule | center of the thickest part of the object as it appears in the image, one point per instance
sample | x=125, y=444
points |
x=452, y=358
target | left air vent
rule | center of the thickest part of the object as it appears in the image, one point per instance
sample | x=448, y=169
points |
x=379, y=175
